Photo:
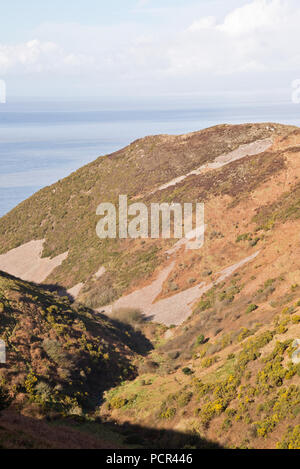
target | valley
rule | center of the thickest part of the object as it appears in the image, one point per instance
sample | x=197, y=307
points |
x=144, y=343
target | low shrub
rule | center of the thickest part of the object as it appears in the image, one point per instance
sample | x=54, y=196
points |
x=200, y=340
x=168, y=414
x=251, y=308
x=209, y=361
x=128, y=316
x=117, y=402
x=291, y=439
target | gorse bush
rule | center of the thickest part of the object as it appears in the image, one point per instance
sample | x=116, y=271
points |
x=291, y=439
x=286, y=404
x=209, y=361
x=167, y=413
x=117, y=402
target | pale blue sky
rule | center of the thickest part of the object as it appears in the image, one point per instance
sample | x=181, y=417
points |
x=20, y=17
x=150, y=47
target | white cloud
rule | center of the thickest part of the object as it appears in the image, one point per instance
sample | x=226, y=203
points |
x=262, y=36
x=38, y=56
x=255, y=16
x=206, y=22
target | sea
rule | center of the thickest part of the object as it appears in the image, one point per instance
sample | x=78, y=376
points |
x=42, y=141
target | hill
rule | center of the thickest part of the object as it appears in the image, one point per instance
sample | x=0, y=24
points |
x=61, y=219
x=212, y=352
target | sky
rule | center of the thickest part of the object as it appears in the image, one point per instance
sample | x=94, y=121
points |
x=233, y=50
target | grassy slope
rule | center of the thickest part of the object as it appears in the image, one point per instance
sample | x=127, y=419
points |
x=65, y=213
x=60, y=360
x=59, y=356
x=239, y=387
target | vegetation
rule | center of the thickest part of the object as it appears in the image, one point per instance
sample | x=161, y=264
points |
x=251, y=308
x=226, y=376
x=129, y=316
x=60, y=357
x=64, y=214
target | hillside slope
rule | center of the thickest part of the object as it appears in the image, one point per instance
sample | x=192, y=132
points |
x=60, y=359
x=62, y=218
x=59, y=356
x=223, y=365
x=231, y=372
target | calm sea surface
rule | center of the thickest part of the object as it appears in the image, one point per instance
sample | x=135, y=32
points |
x=43, y=142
